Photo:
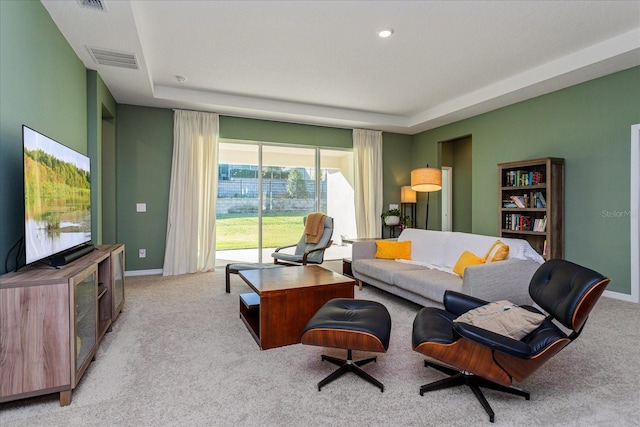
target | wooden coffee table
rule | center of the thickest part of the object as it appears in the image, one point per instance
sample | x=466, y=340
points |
x=284, y=299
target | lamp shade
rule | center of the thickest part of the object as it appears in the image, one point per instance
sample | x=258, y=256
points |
x=407, y=194
x=426, y=179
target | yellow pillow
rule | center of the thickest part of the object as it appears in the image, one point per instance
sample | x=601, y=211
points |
x=466, y=259
x=498, y=252
x=393, y=250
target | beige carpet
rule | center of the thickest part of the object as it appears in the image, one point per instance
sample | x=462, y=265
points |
x=179, y=355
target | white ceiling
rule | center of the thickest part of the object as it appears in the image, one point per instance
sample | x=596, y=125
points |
x=321, y=62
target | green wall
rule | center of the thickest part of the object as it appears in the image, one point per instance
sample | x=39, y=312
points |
x=44, y=86
x=109, y=188
x=458, y=154
x=281, y=132
x=589, y=126
x=101, y=107
x=144, y=146
x=396, y=168
x=144, y=149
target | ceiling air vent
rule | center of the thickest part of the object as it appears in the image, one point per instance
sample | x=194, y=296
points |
x=92, y=4
x=113, y=58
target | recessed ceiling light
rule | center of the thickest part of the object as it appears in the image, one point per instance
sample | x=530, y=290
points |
x=385, y=32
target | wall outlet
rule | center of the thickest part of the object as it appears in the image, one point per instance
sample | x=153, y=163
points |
x=142, y=253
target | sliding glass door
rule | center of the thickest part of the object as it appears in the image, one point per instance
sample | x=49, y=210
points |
x=288, y=194
x=265, y=190
x=237, y=221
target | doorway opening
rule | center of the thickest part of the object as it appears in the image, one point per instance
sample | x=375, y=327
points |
x=456, y=157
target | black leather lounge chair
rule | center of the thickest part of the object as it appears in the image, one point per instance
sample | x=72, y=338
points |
x=480, y=358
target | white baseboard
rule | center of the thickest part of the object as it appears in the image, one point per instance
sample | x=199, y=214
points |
x=154, y=272
x=618, y=295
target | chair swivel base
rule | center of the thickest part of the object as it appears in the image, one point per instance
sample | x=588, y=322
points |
x=349, y=365
x=474, y=382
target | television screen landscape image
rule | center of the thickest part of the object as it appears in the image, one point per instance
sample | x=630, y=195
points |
x=57, y=192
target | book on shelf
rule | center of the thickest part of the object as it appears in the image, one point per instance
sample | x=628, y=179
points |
x=516, y=178
x=537, y=178
x=545, y=249
x=508, y=204
x=523, y=178
x=508, y=221
x=541, y=202
x=518, y=200
x=517, y=222
x=540, y=224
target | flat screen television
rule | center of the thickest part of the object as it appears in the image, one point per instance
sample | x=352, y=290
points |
x=57, y=197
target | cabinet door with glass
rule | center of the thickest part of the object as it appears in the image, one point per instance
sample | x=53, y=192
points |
x=84, y=314
x=117, y=270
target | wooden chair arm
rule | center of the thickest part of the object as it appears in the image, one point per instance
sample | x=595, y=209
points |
x=285, y=247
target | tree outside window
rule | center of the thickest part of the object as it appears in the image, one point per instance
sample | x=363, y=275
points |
x=296, y=186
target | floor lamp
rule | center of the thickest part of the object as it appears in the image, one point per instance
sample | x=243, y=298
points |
x=426, y=180
x=408, y=197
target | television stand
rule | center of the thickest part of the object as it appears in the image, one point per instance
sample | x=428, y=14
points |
x=71, y=255
x=52, y=322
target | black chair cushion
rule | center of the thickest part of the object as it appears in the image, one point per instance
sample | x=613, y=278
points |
x=353, y=315
x=433, y=325
x=437, y=326
x=459, y=303
x=558, y=286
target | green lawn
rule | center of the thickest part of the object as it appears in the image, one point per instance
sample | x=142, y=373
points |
x=241, y=232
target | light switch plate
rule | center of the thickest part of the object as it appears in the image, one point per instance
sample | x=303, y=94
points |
x=393, y=206
x=141, y=207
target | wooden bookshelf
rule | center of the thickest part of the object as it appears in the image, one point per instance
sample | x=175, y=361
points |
x=531, y=192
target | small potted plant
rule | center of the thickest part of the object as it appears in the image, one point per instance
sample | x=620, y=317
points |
x=393, y=217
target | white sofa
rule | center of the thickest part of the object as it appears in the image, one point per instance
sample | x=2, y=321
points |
x=429, y=273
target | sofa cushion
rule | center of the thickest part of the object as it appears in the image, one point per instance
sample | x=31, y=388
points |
x=497, y=252
x=480, y=244
x=521, y=249
x=386, y=249
x=466, y=259
x=431, y=284
x=427, y=246
x=382, y=269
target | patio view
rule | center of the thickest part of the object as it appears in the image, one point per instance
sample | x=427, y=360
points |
x=264, y=192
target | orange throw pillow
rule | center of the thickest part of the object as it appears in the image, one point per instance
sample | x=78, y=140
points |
x=466, y=259
x=386, y=249
x=498, y=252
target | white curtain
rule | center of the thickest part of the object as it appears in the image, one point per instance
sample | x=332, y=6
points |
x=191, y=227
x=367, y=157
